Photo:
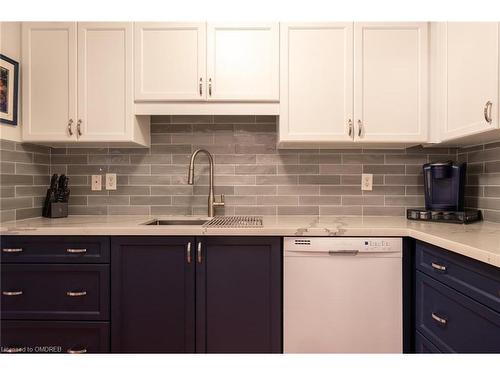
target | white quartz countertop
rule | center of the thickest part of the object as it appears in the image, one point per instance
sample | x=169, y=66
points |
x=480, y=241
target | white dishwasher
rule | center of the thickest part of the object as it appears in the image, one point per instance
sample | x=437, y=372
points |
x=343, y=295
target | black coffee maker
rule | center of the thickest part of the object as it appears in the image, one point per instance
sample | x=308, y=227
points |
x=444, y=189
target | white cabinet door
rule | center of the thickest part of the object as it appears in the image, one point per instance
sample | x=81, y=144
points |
x=105, y=81
x=316, y=81
x=243, y=62
x=49, y=81
x=170, y=61
x=468, y=67
x=391, y=82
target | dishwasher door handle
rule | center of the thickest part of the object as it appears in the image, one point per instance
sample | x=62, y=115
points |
x=343, y=252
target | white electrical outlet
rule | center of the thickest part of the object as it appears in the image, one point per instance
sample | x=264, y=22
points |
x=110, y=181
x=366, y=181
x=96, y=182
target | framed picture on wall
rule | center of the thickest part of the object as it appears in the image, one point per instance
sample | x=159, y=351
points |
x=9, y=90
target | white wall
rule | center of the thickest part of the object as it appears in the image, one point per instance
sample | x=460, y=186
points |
x=10, y=45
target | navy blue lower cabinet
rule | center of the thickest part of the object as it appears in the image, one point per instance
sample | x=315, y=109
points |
x=452, y=321
x=152, y=295
x=239, y=295
x=424, y=346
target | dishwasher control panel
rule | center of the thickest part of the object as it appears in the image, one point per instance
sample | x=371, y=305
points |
x=343, y=245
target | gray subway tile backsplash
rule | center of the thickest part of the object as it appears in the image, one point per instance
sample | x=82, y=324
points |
x=255, y=176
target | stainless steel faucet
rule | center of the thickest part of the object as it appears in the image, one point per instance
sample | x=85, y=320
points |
x=211, y=197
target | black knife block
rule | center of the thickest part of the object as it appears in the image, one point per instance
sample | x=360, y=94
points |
x=57, y=210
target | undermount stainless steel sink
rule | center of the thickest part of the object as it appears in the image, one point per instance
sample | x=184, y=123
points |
x=176, y=222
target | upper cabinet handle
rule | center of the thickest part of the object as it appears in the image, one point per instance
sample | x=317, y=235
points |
x=487, y=112
x=349, y=127
x=12, y=250
x=201, y=86
x=78, y=127
x=70, y=124
x=360, y=128
x=210, y=87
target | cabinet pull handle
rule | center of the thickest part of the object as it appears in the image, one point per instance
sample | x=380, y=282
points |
x=438, y=319
x=487, y=112
x=70, y=124
x=188, y=252
x=13, y=293
x=349, y=127
x=360, y=128
x=13, y=350
x=210, y=86
x=76, y=294
x=12, y=250
x=78, y=127
x=201, y=86
x=198, y=253
x=76, y=251
x=77, y=351
x=438, y=267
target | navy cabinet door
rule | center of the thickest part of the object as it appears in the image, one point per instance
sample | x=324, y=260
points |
x=238, y=295
x=152, y=295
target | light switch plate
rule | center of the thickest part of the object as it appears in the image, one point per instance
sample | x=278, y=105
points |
x=110, y=181
x=367, y=181
x=96, y=182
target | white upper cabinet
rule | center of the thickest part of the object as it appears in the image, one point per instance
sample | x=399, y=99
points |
x=467, y=75
x=243, y=62
x=170, y=61
x=391, y=82
x=316, y=83
x=78, y=84
x=185, y=62
x=49, y=81
x=105, y=81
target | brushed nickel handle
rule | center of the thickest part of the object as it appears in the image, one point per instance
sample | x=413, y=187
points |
x=487, y=112
x=76, y=251
x=198, y=253
x=360, y=128
x=13, y=293
x=12, y=250
x=76, y=294
x=438, y=267
x=188, y=252
x=13, y=350
x=201, y=86
x=210, y=86
x=77, y=351
x=438, y=319
x=78, y=127
x=70, y=124
x=350, y=127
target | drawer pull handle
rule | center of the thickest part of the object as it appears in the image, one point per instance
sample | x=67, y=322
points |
x=18, y=250
x=76, y=294
x=198, y=253
x=188, y=252
x=76, y=251
x=438, y=319
x=77, y=351
x=13, y=350
x=13, y=293
x=438, y=267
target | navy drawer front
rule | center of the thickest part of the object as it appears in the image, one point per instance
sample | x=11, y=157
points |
x=454, y=322
x=54, y=337
x=422, y=345
x=54, y=249
x=477, y=280
x=55, y=291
